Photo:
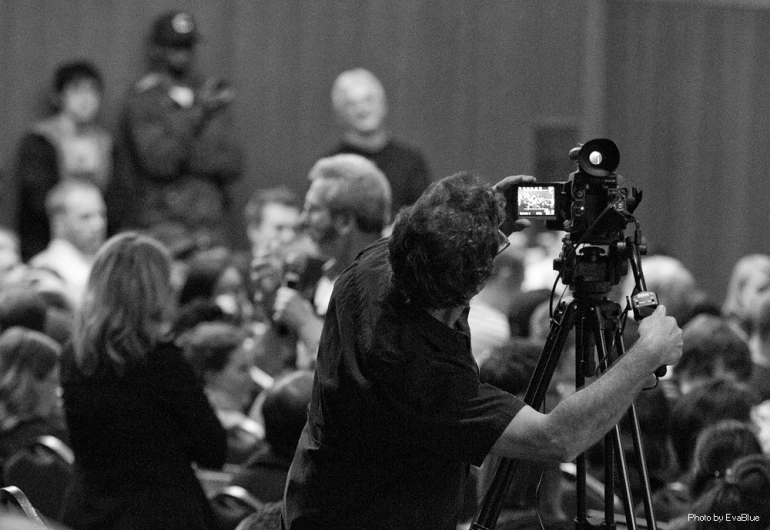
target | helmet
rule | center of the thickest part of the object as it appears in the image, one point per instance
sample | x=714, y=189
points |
x=175, y=29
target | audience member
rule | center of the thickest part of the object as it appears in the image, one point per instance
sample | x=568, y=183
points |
x=23, y=306
x=674, y=285
x=137, y=415
x=749, y=280
x=77, y=215
x=736, y=501
x=398, y=413
x=68, y=145
x=216, y=277
x=272, y=218
x=222, y=356
x=705, y=405
x=346, y=209
x=488, y=317
x=717, y=448
x=180, y=140
x=29, y=390
x=759, y=345
x=284, y=411
x=10, y=254
x=360, y=106
x=510, y=368
x=712, y=349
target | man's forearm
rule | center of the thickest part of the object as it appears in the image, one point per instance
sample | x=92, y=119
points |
x=584, y=417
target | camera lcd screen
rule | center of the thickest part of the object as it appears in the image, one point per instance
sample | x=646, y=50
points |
x=537, y=201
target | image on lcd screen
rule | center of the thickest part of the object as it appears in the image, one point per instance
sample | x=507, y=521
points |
x=537, y=201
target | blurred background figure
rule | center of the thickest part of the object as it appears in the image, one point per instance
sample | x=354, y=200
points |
x=30, y=405
x=217, y=278
x=712, y=349
x=222, y=355
x=360, y=106
x=759, y=345
x=136, y=413
x=749, y=281
x=490, y=308
x=272, y=219
x=77, y=215
x=284, y=412
x=68, y=145
x=741, y=494
x=179, y=136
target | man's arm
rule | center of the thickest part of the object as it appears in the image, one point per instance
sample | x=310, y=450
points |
x=583, y=418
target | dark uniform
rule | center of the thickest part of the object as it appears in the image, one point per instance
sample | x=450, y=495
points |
x=183, y=150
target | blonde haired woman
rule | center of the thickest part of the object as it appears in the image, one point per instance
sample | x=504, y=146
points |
x=137, y=415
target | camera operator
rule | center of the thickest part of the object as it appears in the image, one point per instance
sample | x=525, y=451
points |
x=398, y=413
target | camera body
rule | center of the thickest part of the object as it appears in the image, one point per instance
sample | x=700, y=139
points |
x=593, y=198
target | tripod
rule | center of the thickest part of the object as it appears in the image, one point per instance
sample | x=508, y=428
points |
x=596, y=322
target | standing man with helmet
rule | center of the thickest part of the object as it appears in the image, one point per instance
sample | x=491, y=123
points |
x=180, y=140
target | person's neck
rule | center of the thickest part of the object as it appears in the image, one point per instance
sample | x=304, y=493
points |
x=72, y=126
x=357, y=241
x=448, y=315
x=373, y=141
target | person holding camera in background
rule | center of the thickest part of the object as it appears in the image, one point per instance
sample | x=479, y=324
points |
x=398, y=413
x=180, y=141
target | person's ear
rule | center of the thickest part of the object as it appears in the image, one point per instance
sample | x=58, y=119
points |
x=344, y=223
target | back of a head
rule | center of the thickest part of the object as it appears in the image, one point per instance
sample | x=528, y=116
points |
x=672, y=282
x=26, y=357
x=22, y=306
x=127, y=303
x=204, y=270
x=717, y=448
x=510, y=367
x=355, y=186
x=209, y=345
x=740, y=498
x=285, y=410
x=712, y=348
x=442, y=247
x=707, y=404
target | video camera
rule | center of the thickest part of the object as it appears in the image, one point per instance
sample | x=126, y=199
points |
x=593, y=203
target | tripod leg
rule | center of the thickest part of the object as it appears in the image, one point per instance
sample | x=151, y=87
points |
x=562, y=323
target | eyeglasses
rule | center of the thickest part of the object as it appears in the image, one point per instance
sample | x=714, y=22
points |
x=502, y=242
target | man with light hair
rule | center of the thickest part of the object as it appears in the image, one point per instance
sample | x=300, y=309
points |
x=77, y=215
x=360, y=106
x=346, y=209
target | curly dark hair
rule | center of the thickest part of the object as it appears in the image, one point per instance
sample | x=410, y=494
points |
x=442, y=248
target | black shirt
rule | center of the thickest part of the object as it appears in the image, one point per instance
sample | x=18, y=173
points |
x=404, y=166
x=397, y=415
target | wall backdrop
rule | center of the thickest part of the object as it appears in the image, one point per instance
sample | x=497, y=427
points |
x=680, y=86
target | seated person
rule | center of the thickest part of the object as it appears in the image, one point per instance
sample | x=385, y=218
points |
x=70, y=144
x=284, y=411
x=221, y=355
x=29, y=389
x=712, y=348
x=78, y=220
x=216, y=277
